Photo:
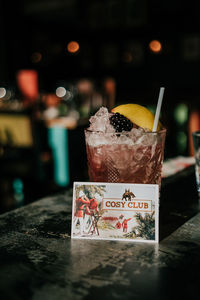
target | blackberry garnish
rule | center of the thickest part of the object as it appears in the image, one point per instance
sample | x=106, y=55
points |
x=120, y=123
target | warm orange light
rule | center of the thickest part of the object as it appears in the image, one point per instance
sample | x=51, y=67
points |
x=36, y=57
x=73, y=47
x=84, y=86
x=155, y=46
x=127, y=57
x=193, y=125
x=27, y=81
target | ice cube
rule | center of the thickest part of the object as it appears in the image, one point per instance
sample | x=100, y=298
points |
x=108, y=127
x=124, y=138
x=99, y=121
x=149, y=139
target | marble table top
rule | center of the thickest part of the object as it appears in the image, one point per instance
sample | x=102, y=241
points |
x=39, y=260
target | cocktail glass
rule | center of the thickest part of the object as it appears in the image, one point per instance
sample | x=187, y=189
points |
x=127, y=157
x=196, y=144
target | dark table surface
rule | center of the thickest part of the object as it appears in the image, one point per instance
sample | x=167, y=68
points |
x=39, y=260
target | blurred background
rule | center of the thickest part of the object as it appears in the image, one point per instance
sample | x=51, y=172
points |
x=60, y=60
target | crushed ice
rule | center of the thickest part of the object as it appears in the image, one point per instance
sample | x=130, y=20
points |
x=104, y=132
x=100, y=121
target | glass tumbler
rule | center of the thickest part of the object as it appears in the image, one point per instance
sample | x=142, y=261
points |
x=125, y=157
x=196, y=144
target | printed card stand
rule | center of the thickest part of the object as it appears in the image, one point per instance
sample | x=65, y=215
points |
x=115, y=211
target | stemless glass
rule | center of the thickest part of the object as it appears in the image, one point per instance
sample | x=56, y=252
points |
x=125, y=157
x=196, y=144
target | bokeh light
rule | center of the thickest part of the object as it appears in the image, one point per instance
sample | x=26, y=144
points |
x=27, y=81
x=36, y=57
x=61, y=91
x=181, y=141
x=155, y=46
x=127, y=57
x=73, y=47
x=84, y=86
x=181, y=113
x=2, y=92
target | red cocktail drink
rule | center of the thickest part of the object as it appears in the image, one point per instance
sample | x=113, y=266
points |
x=124, y=157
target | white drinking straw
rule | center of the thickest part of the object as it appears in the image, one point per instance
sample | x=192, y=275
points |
x=158, y=108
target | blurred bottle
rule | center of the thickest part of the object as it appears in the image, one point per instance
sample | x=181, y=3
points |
x=193, y=125
x=27, y=81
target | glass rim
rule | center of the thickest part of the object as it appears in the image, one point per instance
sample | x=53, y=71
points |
x=163, y=130
x=197, y=133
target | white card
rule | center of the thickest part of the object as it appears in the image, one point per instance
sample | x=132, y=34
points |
x=115, y=211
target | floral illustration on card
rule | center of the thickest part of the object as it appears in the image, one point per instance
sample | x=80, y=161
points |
x=101, y=212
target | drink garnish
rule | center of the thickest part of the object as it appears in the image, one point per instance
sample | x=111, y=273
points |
x=138, y=115
x=120, y=122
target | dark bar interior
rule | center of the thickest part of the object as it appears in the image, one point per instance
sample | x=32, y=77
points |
x=60, y=61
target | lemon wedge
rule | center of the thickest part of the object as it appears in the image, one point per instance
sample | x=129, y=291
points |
x=137, y=114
